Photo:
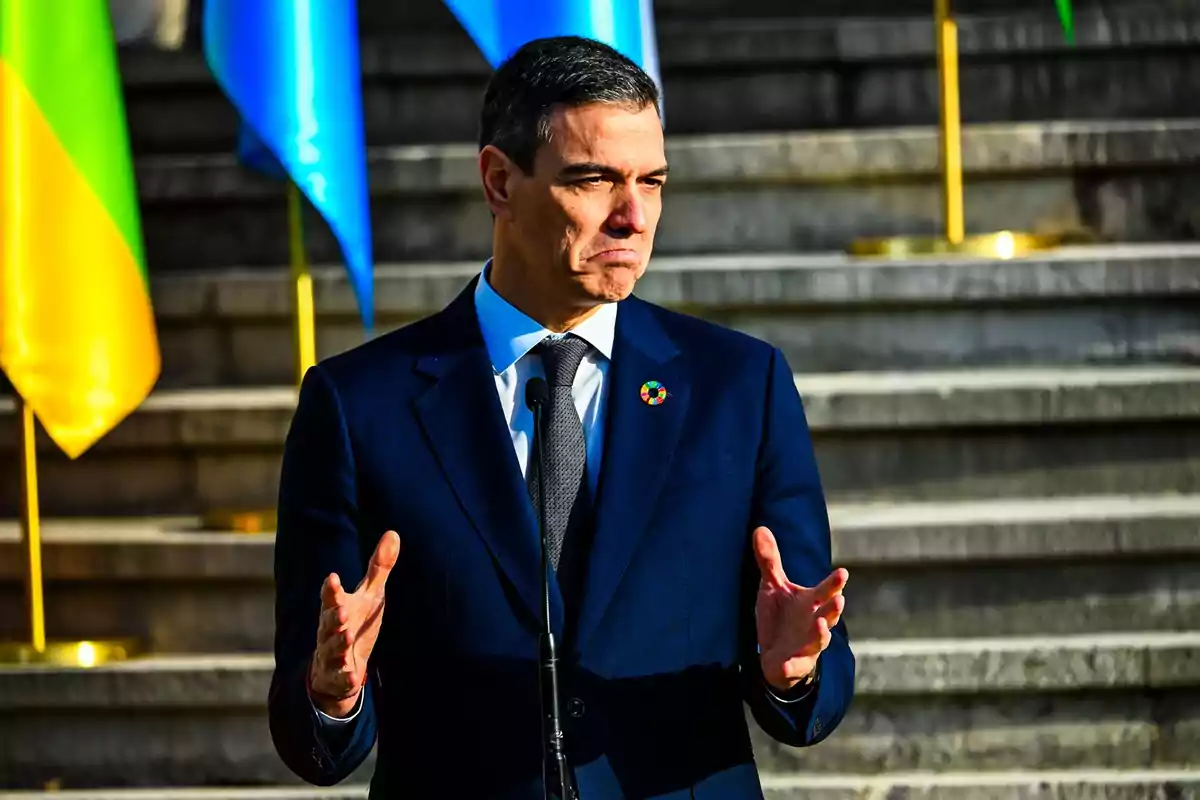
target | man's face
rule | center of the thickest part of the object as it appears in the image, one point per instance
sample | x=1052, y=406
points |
x=584, y=220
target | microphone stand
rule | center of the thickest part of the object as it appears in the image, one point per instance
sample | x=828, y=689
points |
x=554, y=756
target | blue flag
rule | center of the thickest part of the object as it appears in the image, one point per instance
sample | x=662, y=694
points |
x=292, y=70
x=499, y=27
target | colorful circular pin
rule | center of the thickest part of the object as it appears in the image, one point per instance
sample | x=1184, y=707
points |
x=653, y=393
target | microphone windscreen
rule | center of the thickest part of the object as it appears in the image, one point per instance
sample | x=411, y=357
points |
x=537, y=392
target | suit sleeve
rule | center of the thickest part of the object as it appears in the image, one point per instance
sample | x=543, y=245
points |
x=316, y=535
x=789, y=500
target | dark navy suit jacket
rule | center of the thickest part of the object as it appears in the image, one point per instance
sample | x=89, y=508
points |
x=406, y=433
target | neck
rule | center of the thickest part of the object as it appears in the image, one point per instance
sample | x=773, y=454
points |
x=545, y=305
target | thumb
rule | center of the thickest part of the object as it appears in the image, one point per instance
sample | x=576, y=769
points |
x=766, y=553
x=382, y=561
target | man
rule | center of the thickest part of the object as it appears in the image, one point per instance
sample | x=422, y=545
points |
x=678, y=468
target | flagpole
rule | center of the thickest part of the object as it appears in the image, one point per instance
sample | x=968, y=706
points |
x=305, y=317
x=35, y=649
x=953, y=239
x=949, y=122
x=31, y=529
x=304, y=339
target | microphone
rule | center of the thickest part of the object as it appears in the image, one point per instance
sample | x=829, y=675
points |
x=554, y=756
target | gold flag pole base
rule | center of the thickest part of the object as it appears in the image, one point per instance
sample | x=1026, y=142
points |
x=999, y=244
x=238, y=520
x=37, y=650
x=954, y=241
x=86, y=653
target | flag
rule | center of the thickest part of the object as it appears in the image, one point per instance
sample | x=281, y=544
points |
x=1066, y=18
x=292, y=70
x=77, y=331
x=499, y=27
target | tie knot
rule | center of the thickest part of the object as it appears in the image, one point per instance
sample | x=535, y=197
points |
x=561, y=357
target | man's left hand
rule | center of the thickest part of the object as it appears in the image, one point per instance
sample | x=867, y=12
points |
x=793, y=621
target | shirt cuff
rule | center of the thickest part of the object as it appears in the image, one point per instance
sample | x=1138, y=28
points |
x=797, y=693
x=326, y=719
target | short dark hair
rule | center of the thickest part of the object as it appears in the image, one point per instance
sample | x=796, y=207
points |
x=548, y=73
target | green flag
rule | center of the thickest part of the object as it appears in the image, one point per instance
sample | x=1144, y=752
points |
x=1064, y=16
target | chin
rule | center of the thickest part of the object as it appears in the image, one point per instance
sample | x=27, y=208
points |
x=615, y=294
x=612, y=285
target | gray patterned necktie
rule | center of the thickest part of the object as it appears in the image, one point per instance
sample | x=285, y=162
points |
x=565, y=452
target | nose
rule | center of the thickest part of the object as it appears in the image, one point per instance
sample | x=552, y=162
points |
x=628, y=218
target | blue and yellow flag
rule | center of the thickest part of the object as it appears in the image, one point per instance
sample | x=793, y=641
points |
x=292, y=70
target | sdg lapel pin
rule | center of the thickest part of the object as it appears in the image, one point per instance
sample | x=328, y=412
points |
x=653, y=393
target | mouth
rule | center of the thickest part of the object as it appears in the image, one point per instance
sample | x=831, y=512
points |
x=617, y=256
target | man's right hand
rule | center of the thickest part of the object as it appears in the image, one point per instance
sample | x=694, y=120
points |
x=346, y=634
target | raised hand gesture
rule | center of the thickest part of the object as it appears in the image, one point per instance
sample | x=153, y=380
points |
x=346, y=634
x=793, y=621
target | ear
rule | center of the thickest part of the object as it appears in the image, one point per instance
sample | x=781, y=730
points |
x=498, y=173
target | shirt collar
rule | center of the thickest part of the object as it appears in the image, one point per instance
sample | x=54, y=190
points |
x=509, y=334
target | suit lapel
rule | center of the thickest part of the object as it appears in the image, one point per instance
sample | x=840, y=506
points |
x=639, y=446
x=462, y=418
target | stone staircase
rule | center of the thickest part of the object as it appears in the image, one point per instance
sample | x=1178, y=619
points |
x=993, y=636
x=1011, y=449
x=762, y=65
x=1118, y=700
x=1021, y=528
x=729, y=193
x=931, y=435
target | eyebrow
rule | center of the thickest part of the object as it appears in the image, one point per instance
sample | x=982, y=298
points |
x=590, y=168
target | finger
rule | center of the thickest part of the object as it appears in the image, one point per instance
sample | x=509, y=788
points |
x=824, y=637
x=814, y=642
x=831, y=587
x=332, y=620
x=382, y=560
x=332, y=598
x=331, y=590
x=332, y=653
x=766, y=553
x=831, y=610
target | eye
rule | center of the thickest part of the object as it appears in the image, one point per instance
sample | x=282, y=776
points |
x=654, y=183
x=591, y=180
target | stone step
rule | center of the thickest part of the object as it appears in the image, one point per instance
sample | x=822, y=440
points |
x=1129, y=701
x=1011, y=567
x=389, y=15
x=760, y=193
x=916, y=436
x=779, y=69
x=827, y=8
x=828, y=312
x=1021, y=566
x=1008, y=785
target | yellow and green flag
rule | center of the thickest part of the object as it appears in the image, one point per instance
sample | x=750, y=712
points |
x=77, y=332
x=1066, y=18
